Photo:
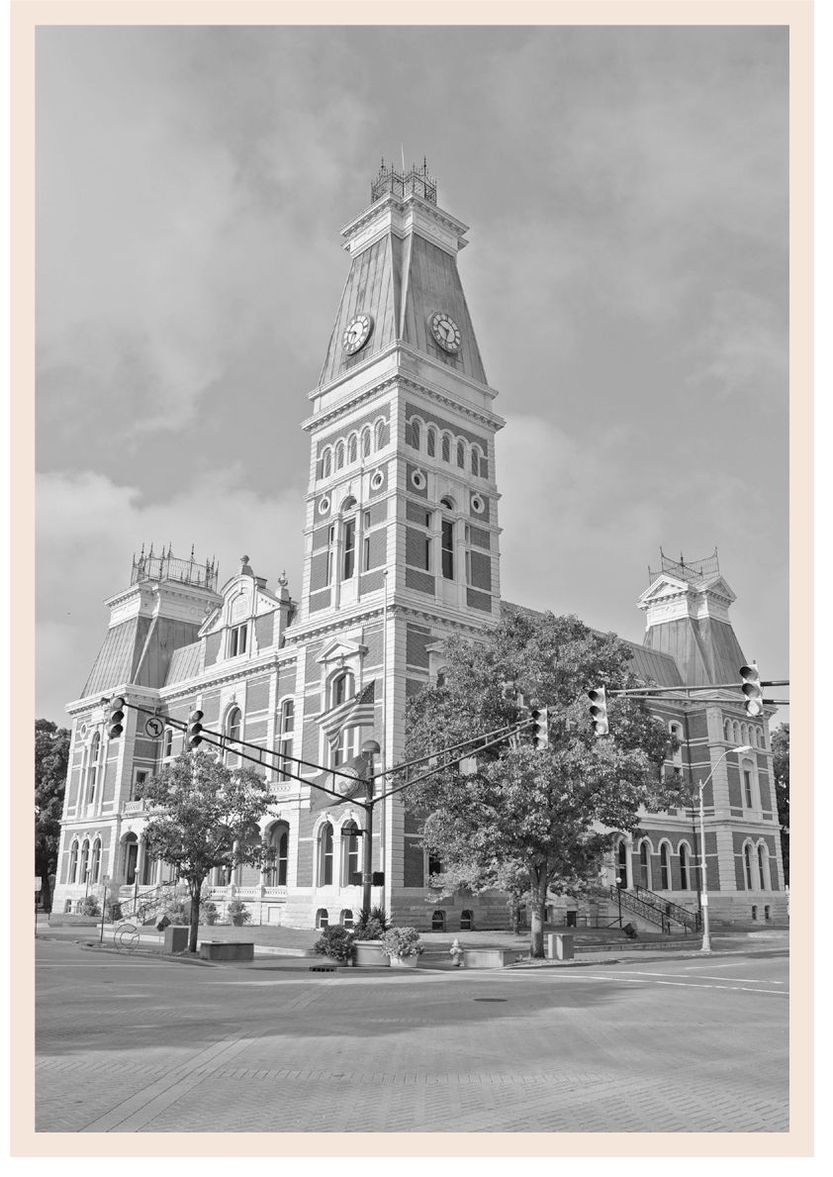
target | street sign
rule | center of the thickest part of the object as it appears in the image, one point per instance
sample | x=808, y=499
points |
x=154, y=727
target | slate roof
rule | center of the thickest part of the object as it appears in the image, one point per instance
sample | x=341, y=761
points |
x=185, y=664
x=140, y=651
x=400, y=283
x=705, y=649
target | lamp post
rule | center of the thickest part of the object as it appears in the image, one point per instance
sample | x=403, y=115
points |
x=707, y=947
x=369, y=749
x=619, y=896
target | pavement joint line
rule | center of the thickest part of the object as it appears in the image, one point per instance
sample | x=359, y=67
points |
x=139, y=1109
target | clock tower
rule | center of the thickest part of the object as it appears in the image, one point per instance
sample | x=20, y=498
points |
x=401, y=534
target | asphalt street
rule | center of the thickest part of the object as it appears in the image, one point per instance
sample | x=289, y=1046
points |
x=136, y=1044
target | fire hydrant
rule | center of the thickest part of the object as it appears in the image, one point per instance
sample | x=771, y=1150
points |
x=456, y=952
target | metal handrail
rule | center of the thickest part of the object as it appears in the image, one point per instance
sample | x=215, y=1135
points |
x=675, y=911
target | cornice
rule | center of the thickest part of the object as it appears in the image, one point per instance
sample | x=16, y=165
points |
x=433, y=391
x=390, y=201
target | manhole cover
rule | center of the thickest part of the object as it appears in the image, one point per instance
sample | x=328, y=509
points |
x=489, y=999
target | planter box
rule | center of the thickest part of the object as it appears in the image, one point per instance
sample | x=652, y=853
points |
x=226, y=950
x=404, y=962
x=176, y=939
x=489, y=958
x=368, y=953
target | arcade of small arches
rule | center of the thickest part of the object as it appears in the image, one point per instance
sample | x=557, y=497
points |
x=677, y=869
x=346, y=452
x=737, y=733
x=447, y=447
x=439, y=919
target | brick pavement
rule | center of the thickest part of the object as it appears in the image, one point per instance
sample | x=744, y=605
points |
x=164, y=1048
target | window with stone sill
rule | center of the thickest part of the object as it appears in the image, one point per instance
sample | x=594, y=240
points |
x=238, y=640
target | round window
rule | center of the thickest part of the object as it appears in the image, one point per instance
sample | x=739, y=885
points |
x=83, y=729
x=419, y=480
x=377, y=480
x=477, y=504
x=323, y=505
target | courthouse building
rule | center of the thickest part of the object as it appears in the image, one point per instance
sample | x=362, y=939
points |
x=401, y=550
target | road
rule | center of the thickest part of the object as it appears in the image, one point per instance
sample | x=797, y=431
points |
x=128, y=1044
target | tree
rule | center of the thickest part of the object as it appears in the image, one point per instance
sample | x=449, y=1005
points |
x=51, y=759
x=537, y=819
x=781, y=772
x=204, y=815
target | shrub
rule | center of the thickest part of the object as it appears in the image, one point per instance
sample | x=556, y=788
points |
x=209, y=912
x=89, y=906
x=372, y=928
x=177, y=913
x=238, y=913
x=113, y=911
x=402, y=942
x=335, y=942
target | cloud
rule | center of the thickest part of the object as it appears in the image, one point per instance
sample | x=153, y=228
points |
x=743, y=349
x=88, y=527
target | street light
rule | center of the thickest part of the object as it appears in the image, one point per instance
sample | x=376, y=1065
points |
x=707, y=947
x=619, y=896
x=370, y=748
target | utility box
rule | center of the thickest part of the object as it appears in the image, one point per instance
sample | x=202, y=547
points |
x=176, y=939
x=560, y=946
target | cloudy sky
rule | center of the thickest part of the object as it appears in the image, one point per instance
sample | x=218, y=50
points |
x=627, y=278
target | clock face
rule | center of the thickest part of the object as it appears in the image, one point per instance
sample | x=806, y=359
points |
x=357, y=333
x=445, y=331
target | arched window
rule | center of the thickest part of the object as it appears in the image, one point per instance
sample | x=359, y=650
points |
x=73, y=863
x=438, y=921
x=352, y=447
x=327, y=463
x=446, y=447
x=466, y=920
x=346, y=919
x=747, y=866
x=675, y=730
x=325, y=855
x=622, y=863
x=685, y=867
x=85, y=862
x=431, y=441
x=92, y=768
x=727, y=731
x=341, y=688
x=277, y=850
x=167, y=743
x=414, y=433
x=95, y=861
x=379, y=430
x=645, y=864
x=339, y=455
x=763, y=868
x=350, y=854
x=322, y=918
x=475, y=461
x=366, y=442
x=461, y=455
x=287, y=722
x=665, y=867
x=131, y=858
x=234, y=731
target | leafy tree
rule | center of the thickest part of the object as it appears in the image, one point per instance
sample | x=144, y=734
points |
x=204, y=815
x=51, y=759
x=530, y=819
x=781, y=772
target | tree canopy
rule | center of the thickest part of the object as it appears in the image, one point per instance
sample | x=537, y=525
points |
x=204, y=815
x=51, y=759
x=781, y=772
x=529, y=820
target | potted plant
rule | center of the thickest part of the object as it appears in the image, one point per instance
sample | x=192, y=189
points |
x=209, y=912
x=238, y=913
x=367, y=939
x=336, y=943
x=403, y=947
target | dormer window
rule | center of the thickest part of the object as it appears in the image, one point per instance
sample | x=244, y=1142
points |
x=237, y=642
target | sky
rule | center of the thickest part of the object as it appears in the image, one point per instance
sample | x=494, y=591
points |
x=627, y=278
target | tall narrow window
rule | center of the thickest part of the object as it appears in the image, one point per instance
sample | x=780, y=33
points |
x=92, y=770
x=352, y=448
x=413, y=439
x=747, y=866
x=85, y=862
x=349, y=557
x=278, y=850
x=664, y=868
x=747, y=788
x=167, y=743
x=95, y=861
x=431, y=441
x=380, y=434
x=327, y=464
x=286, y=737
x=341, y=688
x=234, y=731
x=461, y=455
x=448, y=549
x=350, y=842
x=762, y=871
x=238, y=640
x=475, y=460
x=339, y=455
x=644, y=865
x=684, y=867
x=365, y=443
x=446, y=448
x=325, y=856
x=73, y=863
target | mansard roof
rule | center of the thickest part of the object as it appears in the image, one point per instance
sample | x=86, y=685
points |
x=138, y=651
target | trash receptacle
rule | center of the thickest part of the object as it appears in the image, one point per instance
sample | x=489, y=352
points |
x=176, y=938
x=559, y=946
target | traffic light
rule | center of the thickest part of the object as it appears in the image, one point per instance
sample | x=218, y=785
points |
x=540, y=729
x=752, y=689
x=194, y=728
x=115, y=720
x=598, y=710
